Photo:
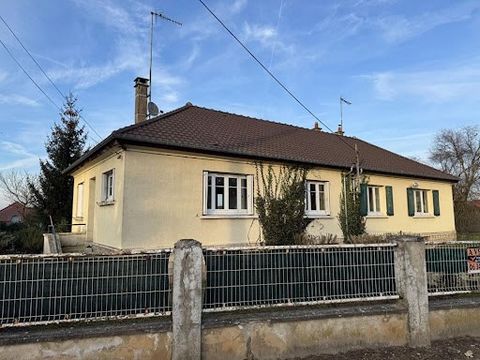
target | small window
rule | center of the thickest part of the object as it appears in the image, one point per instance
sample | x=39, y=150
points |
x=108, y=186
x=316, y=198
x=228, y=194
x=79, y=211
x=374, y=200
x=421, y=202
x=16, y=219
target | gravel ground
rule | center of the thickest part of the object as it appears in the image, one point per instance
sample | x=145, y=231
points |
x=452, y=349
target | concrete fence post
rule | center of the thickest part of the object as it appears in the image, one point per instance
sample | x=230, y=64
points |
x=411, y=276
x=186, y=285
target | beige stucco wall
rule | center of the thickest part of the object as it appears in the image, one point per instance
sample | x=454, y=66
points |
x=159, y=200
x=106, y=227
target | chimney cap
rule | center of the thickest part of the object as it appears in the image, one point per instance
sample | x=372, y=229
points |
x=141, y=81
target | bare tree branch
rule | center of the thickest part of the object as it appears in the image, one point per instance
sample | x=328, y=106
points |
x=458, y=153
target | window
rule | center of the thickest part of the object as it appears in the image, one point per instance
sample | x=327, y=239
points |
x=79, y=211
x=373, y=195
x=227, y=194
x=108, y=185
x=316, y=202
x=16, y=219
x=421, y=202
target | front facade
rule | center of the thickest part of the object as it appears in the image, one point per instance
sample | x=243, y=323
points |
x=158, y=196
x=193, y=173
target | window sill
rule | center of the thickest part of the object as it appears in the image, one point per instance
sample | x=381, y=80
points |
x=377, y=216
x=214, y=217
x=319, y=216
x=106, y=203
x=426, y=216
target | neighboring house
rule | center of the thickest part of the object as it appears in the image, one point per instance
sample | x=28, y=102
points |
x=13, y=213
x=190, y=173
x=475, y=203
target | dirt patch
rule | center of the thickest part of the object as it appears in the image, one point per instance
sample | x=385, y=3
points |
x=452, y=349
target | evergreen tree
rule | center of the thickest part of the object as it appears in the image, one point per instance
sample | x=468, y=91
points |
x=54, y=191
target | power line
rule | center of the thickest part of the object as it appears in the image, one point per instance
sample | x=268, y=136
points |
x=284, y=87
x=28, y=75
x=43, y=72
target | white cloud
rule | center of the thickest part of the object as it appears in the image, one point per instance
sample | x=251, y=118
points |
x=130, y=27
x=440, y=85
x=238, y=5
x=22, y=158
x=15, y=99
x=262, y=33
x=398, y=28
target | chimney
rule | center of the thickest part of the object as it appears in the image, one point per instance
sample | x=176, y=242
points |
x=141, y=94
x=340, y=130
x=316, y=127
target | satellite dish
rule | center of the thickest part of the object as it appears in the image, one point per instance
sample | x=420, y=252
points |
x=152, y=109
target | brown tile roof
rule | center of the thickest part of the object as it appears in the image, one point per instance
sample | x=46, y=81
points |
x=14, y=209
x=204, y=130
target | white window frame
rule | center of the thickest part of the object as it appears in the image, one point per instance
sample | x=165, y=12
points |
x=80, y=198
x=108, y=178
x=226, y=200
x=423, y=202
x=377, y=200
x=326, y=192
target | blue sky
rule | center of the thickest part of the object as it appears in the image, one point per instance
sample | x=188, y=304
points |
x=410, y=68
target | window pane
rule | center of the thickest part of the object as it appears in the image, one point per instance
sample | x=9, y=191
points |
x=370, y=199
x=219, y=192
x=312, y=197
x=377, y=199
x=232, y=193
x=425, y=203
x=418, y=202
x=321, y=197
x=244, y=194
x=209, y=193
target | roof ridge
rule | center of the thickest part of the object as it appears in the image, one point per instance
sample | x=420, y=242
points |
x=252, y=117
x=12, y=204
x=156, y=118
x=403, y=157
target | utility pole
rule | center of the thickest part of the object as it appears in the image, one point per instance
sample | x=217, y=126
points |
x=154, y=15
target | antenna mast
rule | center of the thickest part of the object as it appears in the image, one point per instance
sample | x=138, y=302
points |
x=154, y=15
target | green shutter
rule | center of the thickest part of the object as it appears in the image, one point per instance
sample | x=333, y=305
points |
x=411, y=202
x=389, y=194
x=436, y=202
x=363, y=200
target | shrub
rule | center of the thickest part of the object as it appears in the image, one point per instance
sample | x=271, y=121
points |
x=29, y=240
x=323, y=239
x=6, y=242
x=280, y=203
x=350, y=218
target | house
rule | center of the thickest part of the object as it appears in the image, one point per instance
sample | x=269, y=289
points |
x=13, y=213
x=191, y=173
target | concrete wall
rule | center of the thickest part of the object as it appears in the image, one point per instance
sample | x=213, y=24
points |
x=159, y=198
x=280, y=334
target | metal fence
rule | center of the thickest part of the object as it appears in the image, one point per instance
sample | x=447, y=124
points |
x=280, y=275
x=39, y=289
x=451, y=267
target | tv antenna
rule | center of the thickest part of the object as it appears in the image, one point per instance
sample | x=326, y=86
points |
x=342, y=101
x=152, y=107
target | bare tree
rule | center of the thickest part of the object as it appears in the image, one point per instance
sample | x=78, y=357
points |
x=14, y=187
x=458, y=152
